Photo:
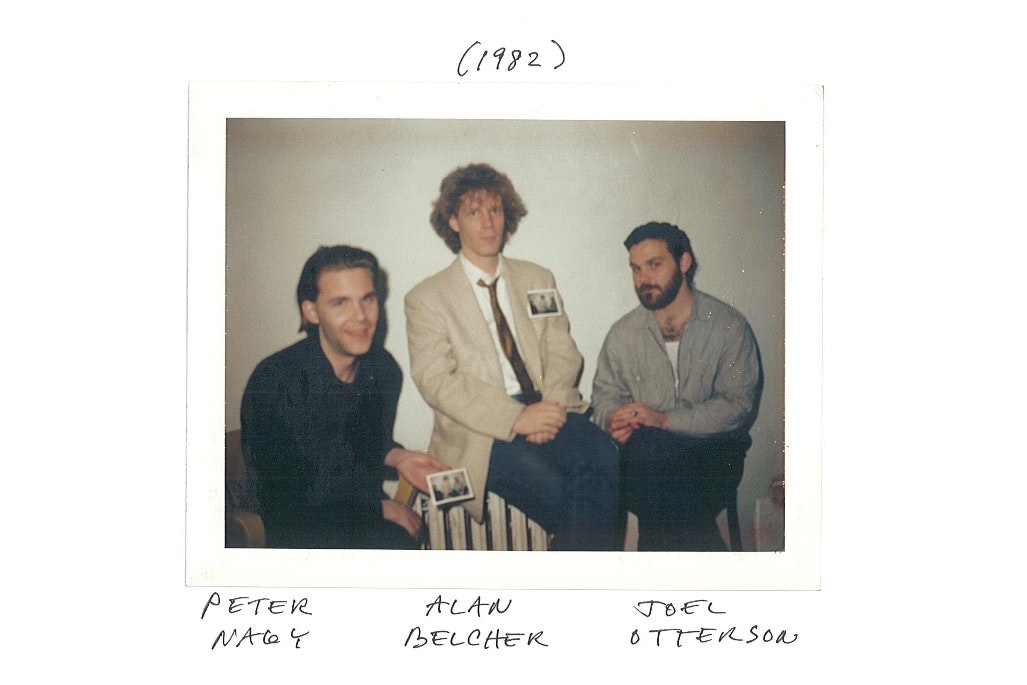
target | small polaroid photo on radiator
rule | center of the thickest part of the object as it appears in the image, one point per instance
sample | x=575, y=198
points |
x=449, y=487
x=543, y=303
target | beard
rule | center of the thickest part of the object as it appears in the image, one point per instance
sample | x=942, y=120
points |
x=655, y=297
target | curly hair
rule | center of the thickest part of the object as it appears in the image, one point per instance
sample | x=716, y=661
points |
x=467, y=179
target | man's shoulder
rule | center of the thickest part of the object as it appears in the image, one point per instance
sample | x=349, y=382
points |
x=526, y=268
x=710, y=308
x=283, y=365
x=289, y=356
x=635, y=320
x=628, y=332
x=437, y=282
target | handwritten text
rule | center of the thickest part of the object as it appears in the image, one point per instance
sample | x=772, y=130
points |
x=678, y=636
x=492, y=638
x=256, y=606
x=508, y=59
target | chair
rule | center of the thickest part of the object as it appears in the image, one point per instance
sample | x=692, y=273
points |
x=733, y=527
x=242, y=528
x=730, y=451
x=769, y=518
x=629, y=530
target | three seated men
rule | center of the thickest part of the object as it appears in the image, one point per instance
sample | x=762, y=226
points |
x=676, y=390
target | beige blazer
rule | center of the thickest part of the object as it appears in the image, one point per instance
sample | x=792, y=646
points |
x=455, y=366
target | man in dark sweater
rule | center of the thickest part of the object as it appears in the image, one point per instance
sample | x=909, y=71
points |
x=317, y=419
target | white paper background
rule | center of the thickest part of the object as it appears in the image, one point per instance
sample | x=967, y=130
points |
x=923, y=233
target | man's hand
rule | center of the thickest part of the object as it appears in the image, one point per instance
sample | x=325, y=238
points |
x=540, y=438
x=414, y=466
x=540, y=422
x=402, y=515
x=623, y=421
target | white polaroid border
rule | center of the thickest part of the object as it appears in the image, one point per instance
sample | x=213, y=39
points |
x=544, y=303
x=435, y=481
x=209, y=563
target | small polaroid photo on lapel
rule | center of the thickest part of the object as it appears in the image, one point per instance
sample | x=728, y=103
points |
x=543, y=303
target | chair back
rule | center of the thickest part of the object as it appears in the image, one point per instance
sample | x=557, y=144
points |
x=235, y=468
x=242, y=528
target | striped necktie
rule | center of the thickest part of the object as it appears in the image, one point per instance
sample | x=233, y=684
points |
x=506, y=340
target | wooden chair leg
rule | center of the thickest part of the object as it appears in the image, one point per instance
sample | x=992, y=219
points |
x=734, y=529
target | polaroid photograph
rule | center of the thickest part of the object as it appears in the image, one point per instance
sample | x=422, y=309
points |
x=282, y=168
x=542, y=303
x=449, y=487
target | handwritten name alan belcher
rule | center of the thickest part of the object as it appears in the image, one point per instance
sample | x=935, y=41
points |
x=490, y=638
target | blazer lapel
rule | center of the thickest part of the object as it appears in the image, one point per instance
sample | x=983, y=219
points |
x=527, y=341
x=477, y=338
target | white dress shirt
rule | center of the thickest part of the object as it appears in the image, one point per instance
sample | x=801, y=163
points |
x=474, y=274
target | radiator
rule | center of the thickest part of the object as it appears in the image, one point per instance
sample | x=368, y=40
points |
x=505, y=527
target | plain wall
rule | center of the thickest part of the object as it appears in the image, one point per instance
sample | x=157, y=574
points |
x=295, y=184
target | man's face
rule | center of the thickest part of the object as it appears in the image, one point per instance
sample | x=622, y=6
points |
x=346, y=311
x=480, y=223
x=657, y=277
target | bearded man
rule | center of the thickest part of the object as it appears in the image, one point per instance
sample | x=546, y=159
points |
x=677, y=386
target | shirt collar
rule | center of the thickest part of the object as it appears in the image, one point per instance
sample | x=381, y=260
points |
x=654, y=328
x=316, y=356
x=474, y=274
x=323, y=367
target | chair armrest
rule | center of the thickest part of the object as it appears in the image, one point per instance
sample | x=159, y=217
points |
x=243, y=529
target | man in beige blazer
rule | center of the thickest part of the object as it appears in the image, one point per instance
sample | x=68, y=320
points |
x=501, y=380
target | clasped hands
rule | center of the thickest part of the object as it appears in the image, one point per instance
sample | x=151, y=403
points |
x=623, y=421
x=540, y=422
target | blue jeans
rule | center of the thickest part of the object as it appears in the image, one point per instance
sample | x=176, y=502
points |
x=570, y=485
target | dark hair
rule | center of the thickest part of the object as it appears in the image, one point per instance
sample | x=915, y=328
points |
x=464, y=180
x=334, y=258
x=676, y=240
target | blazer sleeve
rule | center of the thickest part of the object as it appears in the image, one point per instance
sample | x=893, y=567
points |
x=440, y=358
x=561, y=361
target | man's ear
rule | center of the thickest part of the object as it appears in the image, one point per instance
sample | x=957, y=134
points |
x=454, y=225
x=686, y=262
x=309, y=310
